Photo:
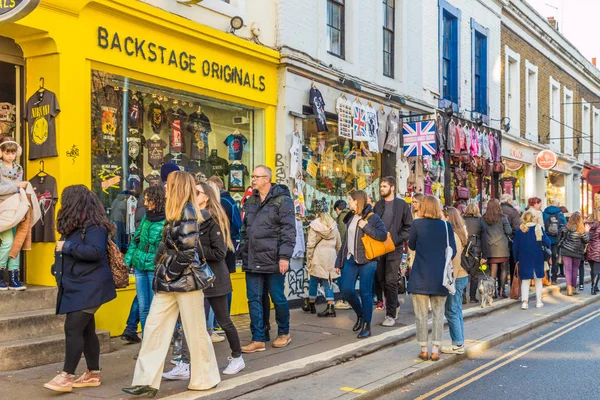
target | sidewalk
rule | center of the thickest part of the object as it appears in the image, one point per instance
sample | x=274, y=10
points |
x=317, y=343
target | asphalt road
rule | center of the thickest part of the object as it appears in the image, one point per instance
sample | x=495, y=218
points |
x=560, y=360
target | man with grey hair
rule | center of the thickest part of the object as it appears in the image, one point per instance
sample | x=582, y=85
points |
x=268, y=237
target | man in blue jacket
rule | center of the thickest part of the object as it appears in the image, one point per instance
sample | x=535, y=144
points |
x=554, y=221
x=268, y=237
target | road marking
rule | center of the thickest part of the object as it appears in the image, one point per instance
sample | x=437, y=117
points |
x=353, y=390
x=566, y=328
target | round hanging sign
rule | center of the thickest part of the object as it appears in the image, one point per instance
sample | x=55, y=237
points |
x=13, y=10
x=546, y=159
x=513, y=165
x=593, y=177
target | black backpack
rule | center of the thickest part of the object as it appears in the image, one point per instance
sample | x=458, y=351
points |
x=552, y=225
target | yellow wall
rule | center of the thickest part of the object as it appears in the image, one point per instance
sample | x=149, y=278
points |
x=60, y=41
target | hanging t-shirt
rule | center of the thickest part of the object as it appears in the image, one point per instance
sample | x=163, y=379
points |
x=40, y=113
x=136, y=112
x=344, y=110
x=176, y=120
x=47, y=195
x=134, y=146
x=392, y=140
x=318, y=108
x=156, y=152
x=508, y=186
x=359, y=122
x=157, y=116
x=199, y=127
x=235, y=143
x=372, y=129
x=216, y=165
x=153, y=179
x=382, y=130
x=237, y=174
x=180, y=159
x=294, y=156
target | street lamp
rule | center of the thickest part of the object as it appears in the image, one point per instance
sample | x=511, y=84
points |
x=507, y=125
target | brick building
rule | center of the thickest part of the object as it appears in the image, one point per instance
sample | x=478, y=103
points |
x=550, y=92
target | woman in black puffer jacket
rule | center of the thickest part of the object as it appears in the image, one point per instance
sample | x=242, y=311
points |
x=176, y=294
x=572, y=243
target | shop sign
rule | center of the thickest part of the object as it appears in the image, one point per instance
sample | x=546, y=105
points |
x=563, y=167
x=12, y=10
x=145, y=49
x=546, y=159
x=513, y=165
x=593, y=177
x=517, y=152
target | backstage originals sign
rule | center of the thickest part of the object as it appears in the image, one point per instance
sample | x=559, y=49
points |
x=175, y=58
x=13, y=10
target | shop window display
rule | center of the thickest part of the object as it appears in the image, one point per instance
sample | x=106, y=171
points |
x=555, y=187
x=138, y=127
x=513, y=183
x=334, y=165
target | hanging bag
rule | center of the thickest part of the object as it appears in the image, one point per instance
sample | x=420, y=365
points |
x=117, y=265
x=375, y=248
x=515, y=284
x=448, y=280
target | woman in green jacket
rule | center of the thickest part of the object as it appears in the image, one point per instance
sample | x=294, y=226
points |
x=144, y=246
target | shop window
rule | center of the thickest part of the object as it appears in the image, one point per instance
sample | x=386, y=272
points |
x=335, y=27
x=389, y=24
x=334, y=166
x=555, y=187
x=9, y=121
x=479, y=67
x=513, y=183
x=513, y=89
x=137, y=127
x=531, y=98
x=449, y=39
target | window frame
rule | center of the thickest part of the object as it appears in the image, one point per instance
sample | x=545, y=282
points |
x=480, y=93
x=392, y=33
x=531, y=108
x=512, y=89
x=342, y=28
x=448, y=11
x=556, y=114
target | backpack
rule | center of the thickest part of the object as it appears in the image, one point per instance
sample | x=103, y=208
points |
x=236, y=222
x=552, y=225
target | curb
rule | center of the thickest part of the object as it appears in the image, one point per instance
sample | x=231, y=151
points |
x=235, y=387
x=475, y=350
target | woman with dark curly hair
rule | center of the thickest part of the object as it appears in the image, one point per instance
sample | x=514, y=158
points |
x=143, y=248
x=84, y=280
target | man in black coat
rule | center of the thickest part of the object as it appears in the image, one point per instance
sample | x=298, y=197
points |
x=268, y=238
x=397, y=217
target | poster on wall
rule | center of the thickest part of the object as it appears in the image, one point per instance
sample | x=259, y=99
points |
x=419, y=138
x=344, y=110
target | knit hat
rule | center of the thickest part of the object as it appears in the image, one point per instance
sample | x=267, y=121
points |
x=166, y=169
x=321, y=206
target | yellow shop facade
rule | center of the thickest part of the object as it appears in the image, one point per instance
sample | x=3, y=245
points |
x=138, y=87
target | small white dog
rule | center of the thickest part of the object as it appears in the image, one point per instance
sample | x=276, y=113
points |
x=487, y=287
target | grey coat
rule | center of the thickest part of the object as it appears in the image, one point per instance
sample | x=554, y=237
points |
x=514, y=217
x=495, y=239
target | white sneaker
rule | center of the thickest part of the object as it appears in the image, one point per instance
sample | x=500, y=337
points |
x=454, y=349
x=342, y=305
x=539, y=305
x=388, y=321
x=525, y=305
x=181, y=372
x=216, y=338
x=235, y=365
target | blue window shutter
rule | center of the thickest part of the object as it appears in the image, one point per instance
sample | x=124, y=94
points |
x=449, y=54
x=479, y=65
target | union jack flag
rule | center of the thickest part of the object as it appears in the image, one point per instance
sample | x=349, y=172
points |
x=419, y=138
x=359, y=122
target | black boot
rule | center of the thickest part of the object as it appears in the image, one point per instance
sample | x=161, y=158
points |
x=328, y=312
x=267, y=332
x=313, y=309
x=141, y=390
x=358, y=323
x=306, y=306
x=365, y=331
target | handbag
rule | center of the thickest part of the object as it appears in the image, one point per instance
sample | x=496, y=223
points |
x=118, y=268
x=462, y=193
x=499, y=167
x=448, y=279
x=515, y=284
x=375, y=248
x=199, y=269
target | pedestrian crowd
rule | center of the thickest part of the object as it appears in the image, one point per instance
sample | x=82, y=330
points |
x=189, y=234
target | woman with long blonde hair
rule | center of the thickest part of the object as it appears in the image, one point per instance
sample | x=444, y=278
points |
x=572, y=243
x=176, y=294
x=528, y=252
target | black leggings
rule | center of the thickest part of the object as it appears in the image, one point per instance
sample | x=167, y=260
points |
x=221, y=310
x=80, y=336
x=595, y=272
x=500, y=274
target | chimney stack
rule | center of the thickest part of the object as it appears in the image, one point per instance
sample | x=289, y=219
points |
x=594, y=61
x=553, y=22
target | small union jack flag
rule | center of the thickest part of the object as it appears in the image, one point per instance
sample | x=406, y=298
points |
x=419, y=138
x=359, y=122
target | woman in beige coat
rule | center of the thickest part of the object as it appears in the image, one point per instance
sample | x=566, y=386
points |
x=323, y=244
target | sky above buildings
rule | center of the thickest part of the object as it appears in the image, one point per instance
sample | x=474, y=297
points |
x=577, y=21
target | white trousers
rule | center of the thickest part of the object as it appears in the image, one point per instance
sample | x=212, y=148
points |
x=157, y=338
x=525, y=289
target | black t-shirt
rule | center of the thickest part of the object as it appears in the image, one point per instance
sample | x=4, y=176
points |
x=237, y=174
x=156, y=152
x=176, y=133
x=153, y=179
x=180, y=159
x=47, y=195
x=157, y=116
x=40, y=112
x=318, y=108
x=217, y=166
x=136, y=112
x=199, y=127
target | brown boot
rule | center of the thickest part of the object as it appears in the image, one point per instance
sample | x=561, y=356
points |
x=545, y=281
x=254, y=347
x=569, y=290
x=282, y=341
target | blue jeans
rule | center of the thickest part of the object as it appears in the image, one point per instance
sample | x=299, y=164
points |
x=255, y=284
x=145, y=294
x=313, y=285
x=134, y=316
x=366, y=273
x=454, y=313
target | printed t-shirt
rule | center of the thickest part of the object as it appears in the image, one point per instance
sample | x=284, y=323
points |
x=157, y=116
x=237, y=173
x=199, y=126
x=177, y=139
x=236, y=144
x=156, y=152
x=318, y=108
x=47, y=195
x=41, y=115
